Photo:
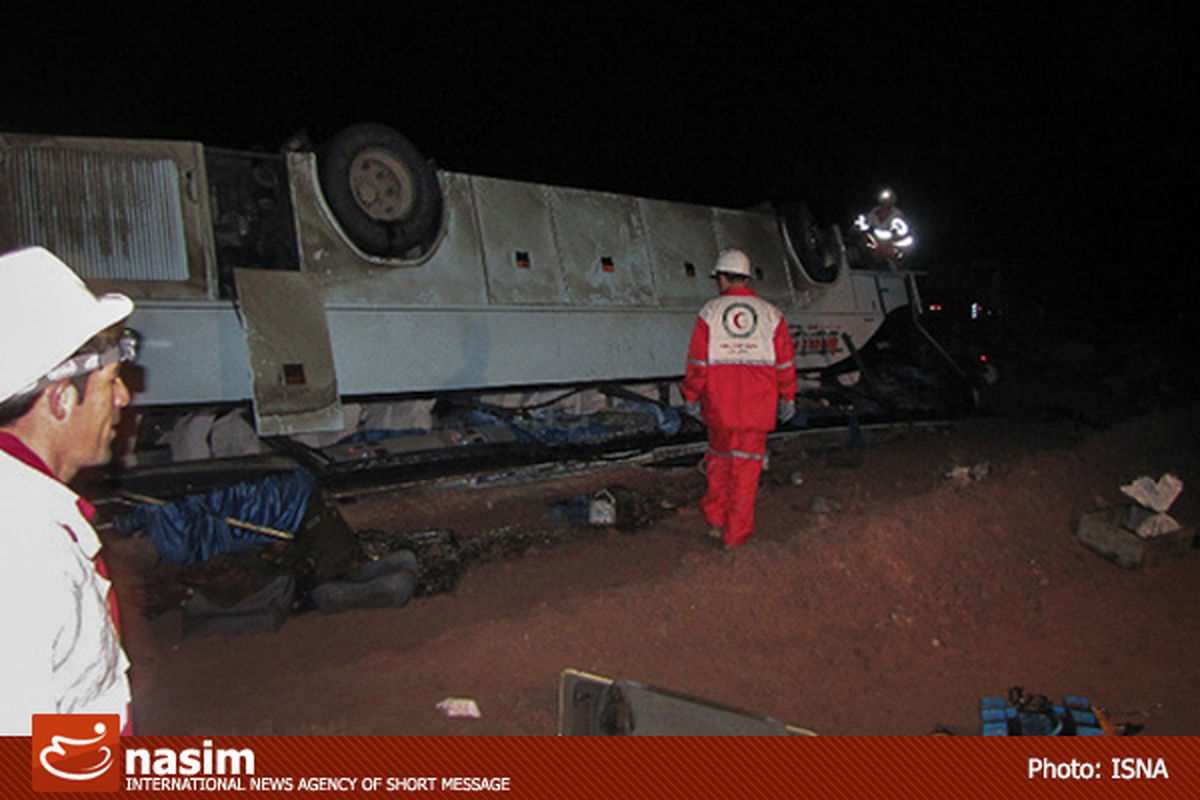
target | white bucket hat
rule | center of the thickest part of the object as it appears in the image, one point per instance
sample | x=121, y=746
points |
x=46, y=313
x=734, y=262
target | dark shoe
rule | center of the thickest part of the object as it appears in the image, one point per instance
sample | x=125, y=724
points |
x=395, y=560
x=392, y=589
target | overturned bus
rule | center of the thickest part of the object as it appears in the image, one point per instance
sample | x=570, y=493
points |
x=326, y=294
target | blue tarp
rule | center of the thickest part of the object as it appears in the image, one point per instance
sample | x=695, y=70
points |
x=192, y=529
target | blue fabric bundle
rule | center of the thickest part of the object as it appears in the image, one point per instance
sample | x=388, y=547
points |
x=192, y=529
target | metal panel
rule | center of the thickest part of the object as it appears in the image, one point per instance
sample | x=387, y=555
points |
x=108, y=215
x=682, y=250
x=892, y=289
x=602, y=248
x=197, y=354
x=591, y=705
x=189, y=353
x=449, y=349
x=131, y=215
x=757, y=234
x=519, y=253
x=855, y=306
x=451, y=275
x=295, y=386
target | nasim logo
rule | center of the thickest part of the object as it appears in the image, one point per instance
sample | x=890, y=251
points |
x=76, y=752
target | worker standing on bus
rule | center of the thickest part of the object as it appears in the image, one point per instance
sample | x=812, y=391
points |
x=61, y=395
x=887, y=234
x=740, y=378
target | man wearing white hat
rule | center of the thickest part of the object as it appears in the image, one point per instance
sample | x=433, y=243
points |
x=61, y=395
x=740, y=377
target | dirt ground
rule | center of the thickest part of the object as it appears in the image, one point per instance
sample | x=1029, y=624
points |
x=878, y=596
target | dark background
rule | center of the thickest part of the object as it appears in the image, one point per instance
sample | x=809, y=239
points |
x=1042, y=154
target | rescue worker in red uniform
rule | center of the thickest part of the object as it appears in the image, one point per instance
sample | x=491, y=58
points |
x=61, y=396
x=740, y=378
x=887, y=234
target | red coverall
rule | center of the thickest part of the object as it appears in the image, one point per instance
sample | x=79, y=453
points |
x=740, y=364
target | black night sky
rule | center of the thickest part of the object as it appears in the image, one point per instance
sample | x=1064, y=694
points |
x=1049, y=145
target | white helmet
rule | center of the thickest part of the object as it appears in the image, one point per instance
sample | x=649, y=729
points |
x=733, y=262
x=46, y=313
x=887, y=195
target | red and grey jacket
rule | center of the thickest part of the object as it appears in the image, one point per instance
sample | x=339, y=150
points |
x=740, y=361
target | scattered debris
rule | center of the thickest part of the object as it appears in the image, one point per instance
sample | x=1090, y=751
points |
x=1111, y=728
x=963, y=475
x=198, y=570
x=1112, y=533
x=459, y=707
x=1150, y=517
x=1146, y=523
x=1022, y=714
x=592, y=705
x=1138, y=534
x=602, y=510
x=440, y=556
x=613, y=506
x=1155, y=495
x=245, y=516
x=576, y=509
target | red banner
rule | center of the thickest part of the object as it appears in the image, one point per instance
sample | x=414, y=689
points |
x=611, y=767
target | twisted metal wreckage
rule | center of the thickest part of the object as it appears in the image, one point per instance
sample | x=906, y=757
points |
x=355, y=307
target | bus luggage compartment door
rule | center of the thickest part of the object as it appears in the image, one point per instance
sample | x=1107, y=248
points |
x=291, y=360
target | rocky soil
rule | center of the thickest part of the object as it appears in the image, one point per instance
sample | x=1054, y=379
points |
x=888, y=587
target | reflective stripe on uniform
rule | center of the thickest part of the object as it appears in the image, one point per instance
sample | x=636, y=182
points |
x=749, y=363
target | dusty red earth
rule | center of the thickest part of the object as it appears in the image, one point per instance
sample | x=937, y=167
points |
x=878, y=596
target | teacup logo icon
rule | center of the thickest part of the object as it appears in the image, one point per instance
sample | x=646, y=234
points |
x=76, y=752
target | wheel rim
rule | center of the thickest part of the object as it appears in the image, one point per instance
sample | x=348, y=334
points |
x=382, y=185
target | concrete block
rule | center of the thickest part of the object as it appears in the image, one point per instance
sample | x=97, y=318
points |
x=1104, y=532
